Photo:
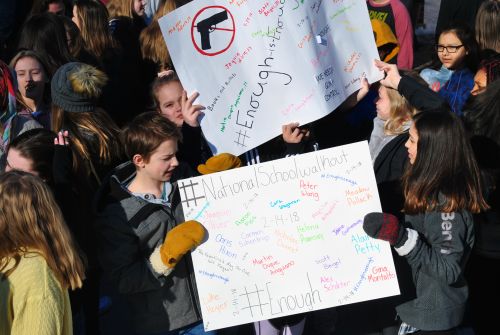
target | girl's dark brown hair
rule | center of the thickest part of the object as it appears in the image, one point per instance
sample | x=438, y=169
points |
x=38, y=146
x=445, y=175
x=94, y=138
x=94, y=30
x=45, y=34
x=74, y=38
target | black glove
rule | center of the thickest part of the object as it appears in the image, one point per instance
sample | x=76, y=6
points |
x=385, y=227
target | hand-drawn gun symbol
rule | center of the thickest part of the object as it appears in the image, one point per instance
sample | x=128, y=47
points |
x=206, y=26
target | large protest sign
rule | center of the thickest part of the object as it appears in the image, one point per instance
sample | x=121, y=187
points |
x=261, y=64
x=286, y=237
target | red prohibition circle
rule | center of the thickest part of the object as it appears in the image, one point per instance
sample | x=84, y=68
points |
x=193, y=27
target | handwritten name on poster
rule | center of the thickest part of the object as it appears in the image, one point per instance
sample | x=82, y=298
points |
x=286, y=237
x=261, y=64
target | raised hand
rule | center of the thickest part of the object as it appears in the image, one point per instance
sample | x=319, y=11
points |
x=62, y=138
x=191, y=112
x=392, y=76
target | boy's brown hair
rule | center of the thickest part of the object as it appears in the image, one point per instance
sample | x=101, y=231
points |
x=146, y=133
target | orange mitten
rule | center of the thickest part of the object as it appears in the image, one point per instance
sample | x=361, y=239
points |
x=220, y=162
x=183, y=238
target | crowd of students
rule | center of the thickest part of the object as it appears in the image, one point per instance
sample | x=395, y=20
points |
x=96, y=128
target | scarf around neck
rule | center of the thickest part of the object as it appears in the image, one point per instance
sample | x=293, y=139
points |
x=8, y=87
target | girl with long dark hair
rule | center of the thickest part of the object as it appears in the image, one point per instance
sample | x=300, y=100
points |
x=442, y=190
x=45, y=34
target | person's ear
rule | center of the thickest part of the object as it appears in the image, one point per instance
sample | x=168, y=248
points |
x=138, y=161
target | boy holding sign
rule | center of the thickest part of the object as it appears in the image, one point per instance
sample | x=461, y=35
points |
x=142, y=248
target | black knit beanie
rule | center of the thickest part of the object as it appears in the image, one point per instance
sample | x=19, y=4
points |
x=76, y=87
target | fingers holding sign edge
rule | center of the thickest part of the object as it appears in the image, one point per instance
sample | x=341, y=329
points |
x=392, y=76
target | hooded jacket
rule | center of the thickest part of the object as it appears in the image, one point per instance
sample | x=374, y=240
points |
x=129, y=229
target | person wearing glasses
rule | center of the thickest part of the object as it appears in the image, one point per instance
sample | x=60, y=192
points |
x=452, y=72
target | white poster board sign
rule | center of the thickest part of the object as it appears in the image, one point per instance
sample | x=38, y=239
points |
x=261, y=64
x=286, y=237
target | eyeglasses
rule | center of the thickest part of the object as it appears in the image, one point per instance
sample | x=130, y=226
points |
x=450, y=48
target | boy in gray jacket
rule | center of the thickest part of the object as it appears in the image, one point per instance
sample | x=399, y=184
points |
x=142, y=249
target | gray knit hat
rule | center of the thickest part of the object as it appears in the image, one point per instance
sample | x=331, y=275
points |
x=76, y=87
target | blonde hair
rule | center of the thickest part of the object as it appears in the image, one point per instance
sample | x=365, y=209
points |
x=121, y=8
x=400, y=113
x=153, y=46
x=31, y=221
x=401, y=110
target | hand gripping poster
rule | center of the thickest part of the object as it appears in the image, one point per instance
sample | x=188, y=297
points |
x=286, y=237
x=261, y=64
